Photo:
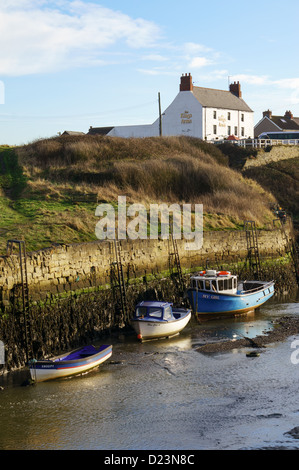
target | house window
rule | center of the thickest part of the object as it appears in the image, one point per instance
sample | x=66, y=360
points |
x=236, y=130
x=228, y=116
x=214, y=114
x=229, y=130
x=215, y=129
x=242, y=131
x=242, y=117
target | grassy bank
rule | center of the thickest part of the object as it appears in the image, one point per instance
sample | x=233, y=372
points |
x=282, y=179
x=51, y=187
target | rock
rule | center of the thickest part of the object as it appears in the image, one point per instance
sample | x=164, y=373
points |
x=28, y=382
x=294, y=432
x=253, y=354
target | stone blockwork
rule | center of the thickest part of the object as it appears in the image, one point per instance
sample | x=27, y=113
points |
x=62, y=268
x=277, y=153
x=77, y=318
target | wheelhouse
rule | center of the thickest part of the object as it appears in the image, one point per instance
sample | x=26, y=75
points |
x=215, y=281
x=154, y=310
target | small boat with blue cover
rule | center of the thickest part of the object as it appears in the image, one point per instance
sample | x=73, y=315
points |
x=154, y=319
x=214, y=292
x=73, y=363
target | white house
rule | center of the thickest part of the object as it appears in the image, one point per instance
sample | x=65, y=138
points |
x=197, y=112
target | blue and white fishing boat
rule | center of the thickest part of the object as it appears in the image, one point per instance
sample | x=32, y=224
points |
x=75, y=362
x=214, y=292
x=153, y=319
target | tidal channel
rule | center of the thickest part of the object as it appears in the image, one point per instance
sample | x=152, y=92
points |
x=165, y=395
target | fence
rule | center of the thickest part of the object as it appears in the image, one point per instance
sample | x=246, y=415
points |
x=260, y=143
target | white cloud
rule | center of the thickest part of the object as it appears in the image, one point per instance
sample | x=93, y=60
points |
x=198, y=62
x=42, y=36
x=186, y=56
x=251, y=79
x=158, y=71
x=291, y=83
x=198, y=55
x=195, y=48
x=286, y=83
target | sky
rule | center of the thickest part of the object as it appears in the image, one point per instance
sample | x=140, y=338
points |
x=72, y=64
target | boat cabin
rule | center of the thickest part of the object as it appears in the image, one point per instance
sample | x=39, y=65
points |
x=215, y=281
x=154, y=310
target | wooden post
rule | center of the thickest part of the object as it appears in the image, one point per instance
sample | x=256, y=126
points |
x=160, y=116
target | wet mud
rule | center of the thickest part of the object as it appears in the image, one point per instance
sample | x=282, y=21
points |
x=282, y=329
x=161, y=395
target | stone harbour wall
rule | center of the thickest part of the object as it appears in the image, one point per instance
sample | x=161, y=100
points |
x=61, y=268
x=77, y=312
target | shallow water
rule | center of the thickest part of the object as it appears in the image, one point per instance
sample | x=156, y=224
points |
x=165, y=395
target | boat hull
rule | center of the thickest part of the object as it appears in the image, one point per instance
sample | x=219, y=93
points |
x=44, y=370
x=153, y=329
x=204, y=303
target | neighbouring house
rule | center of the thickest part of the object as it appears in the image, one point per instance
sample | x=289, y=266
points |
x=100, y=130
x=72, y=133
x=205, y=113
x=270, y=123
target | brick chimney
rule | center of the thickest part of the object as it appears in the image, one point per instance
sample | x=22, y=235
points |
x=235, y=89
x=268, y=114
x=186, y=83
x=288, y=115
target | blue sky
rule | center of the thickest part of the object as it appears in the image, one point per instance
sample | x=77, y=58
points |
x=72, y=64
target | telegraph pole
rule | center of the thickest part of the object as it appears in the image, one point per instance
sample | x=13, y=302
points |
x=160, y=116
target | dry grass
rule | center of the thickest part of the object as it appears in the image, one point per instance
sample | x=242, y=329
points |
x=282, y=179
x=186, y=179
x=94, y=151
x=173, y=169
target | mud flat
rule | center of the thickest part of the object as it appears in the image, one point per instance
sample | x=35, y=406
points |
x=282, y=329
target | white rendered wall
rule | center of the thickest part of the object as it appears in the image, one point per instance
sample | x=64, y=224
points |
x=183, y=116
x=186, y=116
x=146, y=130
x=222, y=122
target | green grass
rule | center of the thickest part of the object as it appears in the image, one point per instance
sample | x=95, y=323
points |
x=50, y=188
x=42, y=223
x=12, y=178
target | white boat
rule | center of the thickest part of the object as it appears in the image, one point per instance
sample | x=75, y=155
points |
x=73, y=363
x=153, y=319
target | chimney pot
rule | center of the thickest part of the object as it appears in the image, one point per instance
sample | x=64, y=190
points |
x=186, y=82
x=268, y=114
x=288, y=115
x=235, y=89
